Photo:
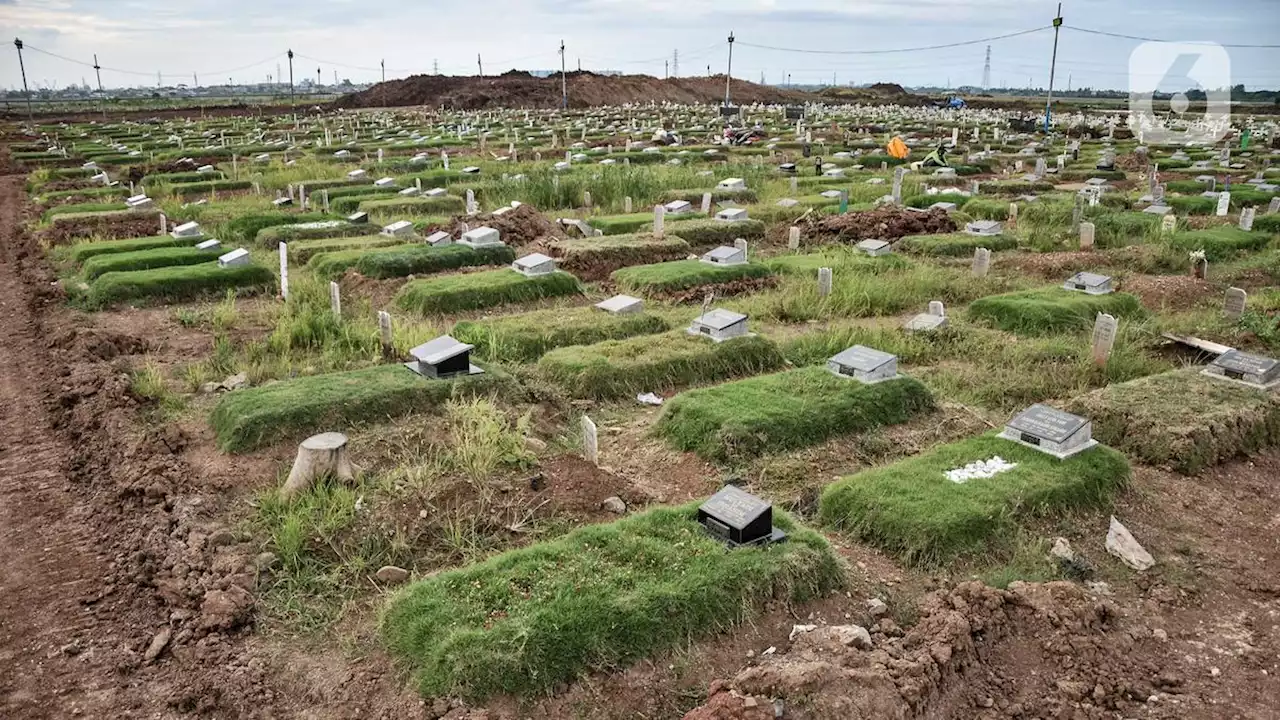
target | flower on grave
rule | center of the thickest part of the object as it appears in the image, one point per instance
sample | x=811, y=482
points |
x=1197, y=256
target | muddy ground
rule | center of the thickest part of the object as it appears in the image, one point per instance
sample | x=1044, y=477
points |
x=128, y=588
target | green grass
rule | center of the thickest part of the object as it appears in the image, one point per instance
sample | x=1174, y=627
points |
x=81, y=252
x=596, y=257
x=424, y=259
x=177, y=284
x=84, y=208
x=684, y=274
x=1049, y=310
x=528, y=336
x=627, y=224
x=490, y=288
x=145, y=260
x=600, y=598
x=954, y=244
x=784, y=411
x=924, y=201
x=654, y=363
x=245, y=229
x=707, y=232
x=912, y=510
x=1182, y=419
x=248, y=419
x=841, y=259
x=271, y=237
x=413, y=206
x=1220, y=243
x=301, y=251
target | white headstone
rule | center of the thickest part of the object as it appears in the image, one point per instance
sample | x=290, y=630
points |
x=444, y=159
x=1086, y=235
x=937, y=309
x=898, y=174
x=981, y=262
x=706, y=203
x=1224, y=203
x=1246, y=219
x=164, y=224
x=1237, y=299
x=1274, y=207
x=1168, y=223
x=824, y=282
x=384, y=332
x=626, y=204
x=284, y=271
x=335, y=299
x=741, y=245
x=1104, y=337
x=793, y=237
x=586, y=198
x=471, y=202
x=659, y=220
x=590, y=441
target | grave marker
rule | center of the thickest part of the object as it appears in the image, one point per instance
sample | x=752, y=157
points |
x=1013, y=214
x=626, y=204
x=1246, y=219
x=335, y=300
x=284, y=271
x=824, y=282
x=706, y=203
x=898, y=174
x=937, y=309
x=793, y=237
x=384, y=334
x=590, y=441
x=741, y=244
x=1274, y=207
x=1168, y=223
x=739, y=518
x=1237, y=299
x=659, y=220
x=164, y=224
x=981, y=262
x=1086, y=236
x=1224, y=203
x=1104, y=337
x=1051, y=431
x=586, y=198
x=471, y=202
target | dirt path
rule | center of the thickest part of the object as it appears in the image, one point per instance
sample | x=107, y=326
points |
x=49, y=571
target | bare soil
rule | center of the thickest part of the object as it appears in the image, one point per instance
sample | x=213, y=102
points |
x=883, y=223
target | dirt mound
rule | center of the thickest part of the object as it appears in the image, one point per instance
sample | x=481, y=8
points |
x=883, y=223
x=520, y=89
x=65, y=232
x=938, y=668
x=518, y=227
x=879, y=93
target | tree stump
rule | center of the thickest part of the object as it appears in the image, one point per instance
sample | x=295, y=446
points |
x=323, y=454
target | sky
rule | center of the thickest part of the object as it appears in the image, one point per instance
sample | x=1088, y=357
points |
x=245, y=40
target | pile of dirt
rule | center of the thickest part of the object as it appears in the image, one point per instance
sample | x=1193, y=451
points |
x=888, y=222
x=66, y=232
x=518, y=227
x=586, y=89
x=1085, y=663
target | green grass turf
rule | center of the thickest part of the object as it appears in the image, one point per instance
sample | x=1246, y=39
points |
x=635, y=222
x=301, y=251
x=684, y=274
x=407, y=259
x=528, y=336
x=245, y=229
x=333, y=263
x=596, y=257
x=912, y=510
x=1053, y=309
x=694, y=197
x=1182, y=419
x=410, y=206
x=145, y=260
x=81, y=252
x=654, y=363
x=490, y=288
x=954, y=244
x=272, y=237
x=1220, y=243
x=176, y=284
x=705, y=232
x=924, y=201
x=255, y=417
x=599, y=598
x=838, y=259
x=797, y=408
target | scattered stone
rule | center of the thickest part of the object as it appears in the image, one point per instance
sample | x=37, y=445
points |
x=853, y=636
x=614, y=505
x=239, y=381
x=1122, y=544
x=876, y=607
x=1160, y=635
x=392, y=575
x=220, y=538
x=1062, y=550
x=225, y=609
x=71, y=649
x=158, y=644
x=1098, y=588
x=264, y=560
x=800, y=629
x=534, y=444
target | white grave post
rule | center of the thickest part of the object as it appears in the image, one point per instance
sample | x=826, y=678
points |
x=444, y=159
x=937, y=309
x=741, y=244
x=898, y=174
x=586, y=198
x=1246, y=219
x=981, y=262
x=384, y=333
x=1086, y=236
x=1224, y=203
x=1168, y=223
x=302, y=196
x=471, y=202
x=335, y=299
x=1274, y=207
x=1237, y=299
x=324, y=197
x=955, y=136
x=1013, y=214
x=164, y=224
x=379, y=156
x=793, y=237
x=626, y=204
x=590, y=441
x=1104, y=337
x=284, y=271
x=706, y=203
x=659, y=220
x=795, y=185
x=824, y=282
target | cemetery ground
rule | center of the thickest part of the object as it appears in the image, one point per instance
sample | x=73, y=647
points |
x=520, y=541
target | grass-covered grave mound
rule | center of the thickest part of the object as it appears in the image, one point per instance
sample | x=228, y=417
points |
x=1182, y=419
x=1044, y=311
x=145, y=260
x=707, y=232
x=248, y=419
x=599, y=598
x=407, y=259
x=476, y=290
x=786, y=410
x=655, y=363
x=633, y=222
x=528, y=336
x=595, y=258
x=912, y=509
x=954, y=244
x=80, y=252
x=178, y=283
x=682, y=275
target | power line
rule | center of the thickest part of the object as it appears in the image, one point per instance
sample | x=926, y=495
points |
x=1147, y=39
x=899, y=50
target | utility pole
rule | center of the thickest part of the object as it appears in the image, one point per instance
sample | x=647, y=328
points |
x=18, y=44
x=159, y=79
x=97, y=69
x=195, y=79
x=384, y=72
x=728, y=76
x=1053, y=65
x=564, y=82
x=666, y=69
x=675, y=63
x=435, y=67
x=986, y=70
x=278, y=75
x=291, y=100
x=317, y=78
x=480, y=65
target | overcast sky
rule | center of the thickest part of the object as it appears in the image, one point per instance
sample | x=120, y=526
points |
x=245, y=39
